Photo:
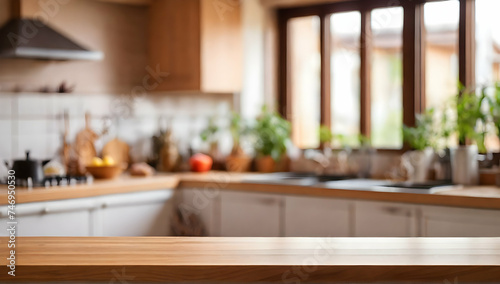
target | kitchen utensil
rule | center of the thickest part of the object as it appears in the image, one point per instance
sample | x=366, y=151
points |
x=105, y=172
x=85, y=143
x=28, y=169
x=118, y=150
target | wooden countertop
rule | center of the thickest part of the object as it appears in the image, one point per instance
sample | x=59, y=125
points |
x=486, y=197
x=288, y=260
x=122, y=184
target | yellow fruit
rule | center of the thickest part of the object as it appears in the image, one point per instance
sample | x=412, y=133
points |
x=96, y=162
x=108, y=161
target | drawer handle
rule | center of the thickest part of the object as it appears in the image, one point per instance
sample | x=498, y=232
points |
x=397, y=211
x=267, y=201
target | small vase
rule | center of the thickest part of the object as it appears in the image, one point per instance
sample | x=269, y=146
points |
x=464, y=165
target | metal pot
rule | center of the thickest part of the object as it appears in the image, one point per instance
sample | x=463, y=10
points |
x=28, y=169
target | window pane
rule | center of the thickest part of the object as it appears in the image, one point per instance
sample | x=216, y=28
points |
x=386, y=77
x=487, y=41
x=345, y=82
x=305, y=64
x=441, y=52
x=488, y=52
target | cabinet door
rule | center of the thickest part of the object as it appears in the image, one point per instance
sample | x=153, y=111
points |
x=135, y=214
x=384, y=219
x=317, y=217
x=174, y=44
x=204, y=204
x=56, y=218
x=459, y=222
x=250, y=214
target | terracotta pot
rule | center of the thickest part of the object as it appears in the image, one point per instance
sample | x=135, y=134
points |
x=265, y=164
x=238, y=163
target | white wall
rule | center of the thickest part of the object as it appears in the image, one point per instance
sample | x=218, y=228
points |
x=252, y=96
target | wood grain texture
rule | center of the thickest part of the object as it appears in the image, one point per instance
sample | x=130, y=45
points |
x=174, y=43
x=179, y=259
x=221, y=46
x=122, y=184
x=483, y=197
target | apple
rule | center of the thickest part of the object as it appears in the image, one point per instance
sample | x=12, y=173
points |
x=200, y=163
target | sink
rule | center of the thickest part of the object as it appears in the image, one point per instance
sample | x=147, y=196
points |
x=408, y=187
x=427, y=185
x=303, y=179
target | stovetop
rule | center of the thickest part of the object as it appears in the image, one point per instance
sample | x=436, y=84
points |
x=54, y=181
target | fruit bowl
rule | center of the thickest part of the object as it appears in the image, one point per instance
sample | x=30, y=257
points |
x=104, y=172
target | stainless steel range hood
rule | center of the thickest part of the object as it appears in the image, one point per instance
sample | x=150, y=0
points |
x=29, y=38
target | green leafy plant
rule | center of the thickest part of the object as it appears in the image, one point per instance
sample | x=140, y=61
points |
x=469, y=115
x=210, y=133
x=365, y=141
x=446, y=126
x=494, y=103
x=238, y=128
x=326, y=136
x=422, y=135
x=272, y=133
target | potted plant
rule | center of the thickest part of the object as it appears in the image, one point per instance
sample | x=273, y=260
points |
x=238, y=160
x=421, y=139
x=272, y=134
x=470, y=112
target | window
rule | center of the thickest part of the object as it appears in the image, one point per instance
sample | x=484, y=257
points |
x=304, y=46
x=345, y=63
x=488, y=52
x=441, y=51
x=386, y=79
x=487, y=41
x=370, y=66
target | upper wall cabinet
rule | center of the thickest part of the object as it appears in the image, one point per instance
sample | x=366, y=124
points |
x=198, y=43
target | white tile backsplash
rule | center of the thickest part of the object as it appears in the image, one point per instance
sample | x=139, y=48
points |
x=5, y=140
x=73, y=104
x=35, y=105
x=34, y=121
x=6, y=105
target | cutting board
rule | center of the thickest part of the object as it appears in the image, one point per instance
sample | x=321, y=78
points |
x=118, y=150
x=85, y=143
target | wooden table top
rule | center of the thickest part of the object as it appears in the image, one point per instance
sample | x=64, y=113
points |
x=288, y=260
x=485, y=197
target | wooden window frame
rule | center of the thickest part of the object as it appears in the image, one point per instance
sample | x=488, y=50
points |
x=413, y=90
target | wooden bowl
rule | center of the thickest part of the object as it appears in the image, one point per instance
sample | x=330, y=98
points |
x=105, y=172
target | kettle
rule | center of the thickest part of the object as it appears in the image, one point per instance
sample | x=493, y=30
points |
x=28, y=169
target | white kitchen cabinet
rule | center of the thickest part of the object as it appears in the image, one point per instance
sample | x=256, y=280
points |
x=55, y=218
x=134, y=214
x=129, y=214
x=204, y=203
x=245, y=214
x=385, y=219
x=318, y=217
x=439, y=221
